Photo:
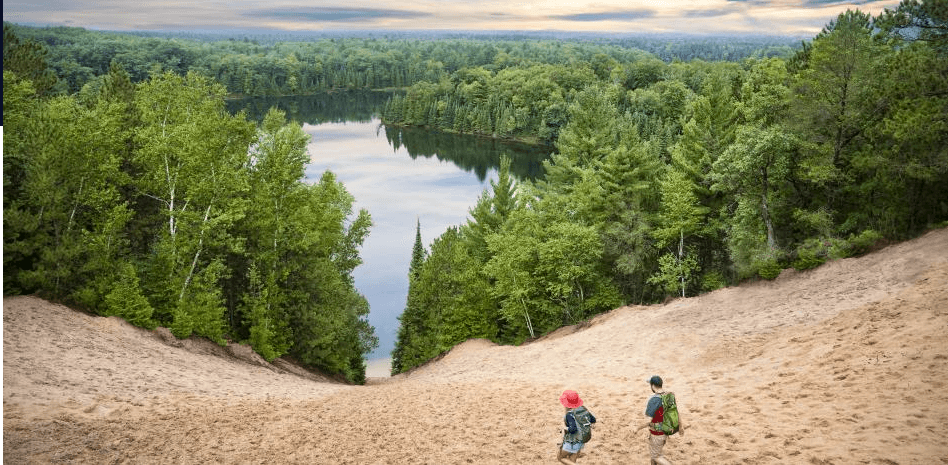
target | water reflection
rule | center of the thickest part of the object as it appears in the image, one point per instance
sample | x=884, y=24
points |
x=330, y=107
x=401, y=176
x=473, y=154
x=477, y=155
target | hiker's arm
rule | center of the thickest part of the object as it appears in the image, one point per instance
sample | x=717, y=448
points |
x=571, y=425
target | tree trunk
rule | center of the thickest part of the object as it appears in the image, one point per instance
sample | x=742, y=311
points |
x=197, y=253
x=681, y=259
x=765, y=213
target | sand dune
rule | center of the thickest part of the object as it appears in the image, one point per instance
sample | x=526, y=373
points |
x=847, y=363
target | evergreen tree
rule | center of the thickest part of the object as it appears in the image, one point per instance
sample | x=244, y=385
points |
x=414, y=331
x=918, y=20
x=837, y=103
x=491, y=211
x=27, y=59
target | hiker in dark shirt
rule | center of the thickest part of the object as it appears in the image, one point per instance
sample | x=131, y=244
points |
x=655, y=411
x=572, y=434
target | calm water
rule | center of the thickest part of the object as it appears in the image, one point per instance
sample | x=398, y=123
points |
x=400, y=176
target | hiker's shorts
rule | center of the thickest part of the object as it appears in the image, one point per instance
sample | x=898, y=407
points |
x=572, y=447
x=655, y=444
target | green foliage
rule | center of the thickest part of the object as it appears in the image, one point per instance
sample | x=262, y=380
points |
x=414, y=344
x=546, y=270
x=27, y=59
x=667, y=177
x=325, y=311
x=202, y=306
x=816, y=251
x=812, y=253
x=182, y=327
x=681, y=214
x=448, y=303
x=267, y=330
x=713, y=280
x=855, y=244
x=915, y=20
x=126, y=300
x=62, y=200
x=863, y=242
x=768, y=268
x=156, y=205
x=674, y=271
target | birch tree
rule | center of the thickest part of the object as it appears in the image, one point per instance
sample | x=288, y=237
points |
x=193, y=160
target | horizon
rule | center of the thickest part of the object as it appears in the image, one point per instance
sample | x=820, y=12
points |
x=791, y=18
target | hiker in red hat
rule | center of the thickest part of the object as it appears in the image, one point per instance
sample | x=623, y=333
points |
x=578, y=429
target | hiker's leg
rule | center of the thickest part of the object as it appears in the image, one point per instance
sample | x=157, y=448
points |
x=565, y=457
x=655, y=445
x=569, y=453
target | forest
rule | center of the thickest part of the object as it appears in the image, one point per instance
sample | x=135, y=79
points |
x=129, y=190
x=151, y=202
x=671, y=179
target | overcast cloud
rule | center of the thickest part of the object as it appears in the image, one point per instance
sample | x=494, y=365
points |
x=788, y=17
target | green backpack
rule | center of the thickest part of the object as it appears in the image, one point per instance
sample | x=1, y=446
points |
x=581, y=417
x=670, y=419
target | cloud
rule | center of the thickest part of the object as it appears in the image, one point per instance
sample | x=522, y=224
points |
x=620, y=15
x=822, y=3
x=688, y=16
x=333, y=14
x=803, y=3
x=711, y=13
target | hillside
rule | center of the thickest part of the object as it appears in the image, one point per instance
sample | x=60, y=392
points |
x=847, y=363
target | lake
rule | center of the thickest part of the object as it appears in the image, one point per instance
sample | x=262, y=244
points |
x=401, y=176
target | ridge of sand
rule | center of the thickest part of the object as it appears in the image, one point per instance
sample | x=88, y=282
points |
x=846, y=363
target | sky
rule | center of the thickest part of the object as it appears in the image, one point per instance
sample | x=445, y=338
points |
x=769, y=17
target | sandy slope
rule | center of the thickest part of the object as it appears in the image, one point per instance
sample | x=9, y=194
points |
x=847, y=363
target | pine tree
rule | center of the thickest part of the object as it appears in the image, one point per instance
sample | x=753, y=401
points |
x=414, y=323
x=27, y=59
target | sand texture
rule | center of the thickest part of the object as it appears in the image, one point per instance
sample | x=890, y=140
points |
x=843, y=364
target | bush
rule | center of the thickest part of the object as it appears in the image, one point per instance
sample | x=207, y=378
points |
x=855, y=245
x=126, y=300
x=812, y=253
x=713, y=280
x=864, y=242
x=769, y=268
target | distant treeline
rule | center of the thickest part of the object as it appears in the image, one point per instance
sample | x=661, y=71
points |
x=673, y=179
x=293, y=64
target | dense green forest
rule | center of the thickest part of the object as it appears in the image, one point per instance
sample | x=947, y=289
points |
x=673, y=179
x=151, y=202
x=130, y=190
